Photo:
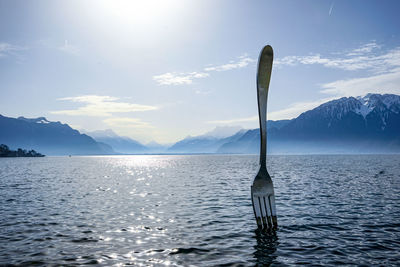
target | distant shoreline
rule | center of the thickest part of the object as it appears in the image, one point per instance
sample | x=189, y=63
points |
x=223, y=154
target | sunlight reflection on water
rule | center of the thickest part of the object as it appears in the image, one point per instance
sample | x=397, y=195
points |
x=196, y=210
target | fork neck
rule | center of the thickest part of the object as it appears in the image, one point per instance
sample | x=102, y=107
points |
x=263, y=146
x=262, y=115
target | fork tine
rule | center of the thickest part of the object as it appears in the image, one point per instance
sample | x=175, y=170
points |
x=263, y=211
x=268, y=211
x=273, y=210
x=257, y=210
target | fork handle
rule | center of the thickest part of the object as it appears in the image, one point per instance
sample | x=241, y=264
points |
x=263, y=78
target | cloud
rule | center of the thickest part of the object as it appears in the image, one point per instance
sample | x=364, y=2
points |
x=364, y=49
x=202, y=92
x=383, y=76
x=382, y=83
x=100, y=106
x=125, y=122
x=382, y=70
x=68, y=48
x=9, y=49
x=243, y=62
x=178, y=78
x=360, y=58
x=290, y=112
x=353, y=63
x=233, y=121
x=173, y=78
x=295, y=109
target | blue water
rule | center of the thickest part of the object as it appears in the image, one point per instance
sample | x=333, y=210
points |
x=196, y=210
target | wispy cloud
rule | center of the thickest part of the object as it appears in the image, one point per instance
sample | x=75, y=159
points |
x=290, y=112
x=388, y=82
x=233, y=121
x=173, y=78
x=178, y=78
x=202, y=92
x=296, y=109
x=69, y=48
x=361, y=58
x=364, y=49
x=100, y=106
x=241, y=63
x=126, y=122
x=9, y=49
x=383, y=73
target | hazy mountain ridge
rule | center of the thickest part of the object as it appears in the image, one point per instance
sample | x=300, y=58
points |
x=126, y=145
x=203, y=144
x=120, y=144
x=50, y=138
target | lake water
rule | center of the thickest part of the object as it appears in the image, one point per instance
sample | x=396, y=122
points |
x=195, y=210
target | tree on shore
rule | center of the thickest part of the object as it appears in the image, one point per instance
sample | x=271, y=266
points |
x=5, y=151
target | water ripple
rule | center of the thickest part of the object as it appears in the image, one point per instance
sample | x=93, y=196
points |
x=196, y=210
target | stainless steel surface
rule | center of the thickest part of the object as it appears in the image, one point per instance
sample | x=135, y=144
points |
x=262, y=190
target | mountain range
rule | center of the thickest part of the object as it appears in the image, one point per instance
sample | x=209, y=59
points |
x=50, y=138
x=368, y=124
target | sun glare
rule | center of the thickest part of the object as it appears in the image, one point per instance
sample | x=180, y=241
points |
x=146, y=13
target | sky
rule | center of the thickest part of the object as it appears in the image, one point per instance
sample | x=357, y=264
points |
x=163, y=70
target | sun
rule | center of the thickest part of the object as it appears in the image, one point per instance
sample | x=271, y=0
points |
x=145, y=12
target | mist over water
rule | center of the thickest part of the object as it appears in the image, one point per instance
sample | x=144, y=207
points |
x=196, y=210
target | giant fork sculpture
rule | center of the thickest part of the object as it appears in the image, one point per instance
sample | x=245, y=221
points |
x=262, y=190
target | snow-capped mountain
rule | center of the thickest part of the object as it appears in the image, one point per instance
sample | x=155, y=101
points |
x=362, y=116
x=364, y=106
x=349, y=124
x=360, y=105
x=34, y=120
x=383, y=106
x=371, y=101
